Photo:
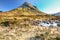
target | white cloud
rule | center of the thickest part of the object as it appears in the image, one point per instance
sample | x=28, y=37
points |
x=51, y=11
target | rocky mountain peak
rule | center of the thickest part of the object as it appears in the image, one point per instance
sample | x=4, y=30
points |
x=28, y=5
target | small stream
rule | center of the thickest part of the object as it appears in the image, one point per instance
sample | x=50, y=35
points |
x=50, y=23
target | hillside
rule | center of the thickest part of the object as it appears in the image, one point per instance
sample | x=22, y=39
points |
x=24, y=9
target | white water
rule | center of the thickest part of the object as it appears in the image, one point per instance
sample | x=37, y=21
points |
x=48, y=24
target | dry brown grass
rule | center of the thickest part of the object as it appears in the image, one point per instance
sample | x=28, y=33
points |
x=21, y=30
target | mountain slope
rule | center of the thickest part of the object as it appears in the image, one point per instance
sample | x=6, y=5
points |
x=24, y=9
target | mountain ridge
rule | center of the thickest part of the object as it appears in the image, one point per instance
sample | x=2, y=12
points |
x=29, y=5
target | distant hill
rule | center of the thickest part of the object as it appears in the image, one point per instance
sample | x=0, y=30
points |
x=57, y=14
x=0, y=11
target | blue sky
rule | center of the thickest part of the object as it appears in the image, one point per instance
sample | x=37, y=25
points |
x=47, y=6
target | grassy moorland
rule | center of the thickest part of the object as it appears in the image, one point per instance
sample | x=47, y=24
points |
x=20, y=28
